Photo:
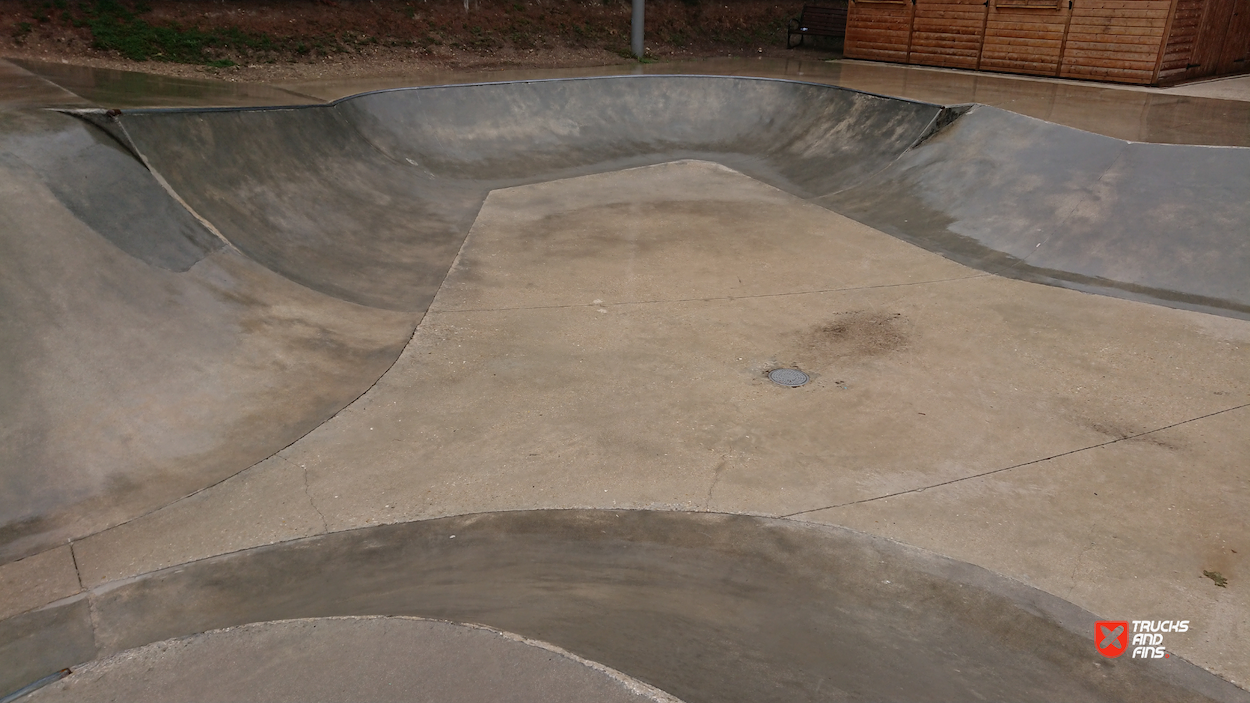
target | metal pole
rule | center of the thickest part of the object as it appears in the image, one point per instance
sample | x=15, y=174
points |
x=636, y=33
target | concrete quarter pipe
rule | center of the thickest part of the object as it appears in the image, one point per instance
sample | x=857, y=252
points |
x=188, y=294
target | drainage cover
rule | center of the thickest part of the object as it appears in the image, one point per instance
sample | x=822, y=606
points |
x=787, y=377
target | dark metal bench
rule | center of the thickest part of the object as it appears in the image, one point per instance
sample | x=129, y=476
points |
x=817, y=22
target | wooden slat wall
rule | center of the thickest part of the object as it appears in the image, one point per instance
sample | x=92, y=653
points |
x=1184, y=33
x=1020, y=40
x=948, y=32
x=878, y=31
x=1110, y=40
x=1115, y=40
x=1211, y=34
x=1235, y=57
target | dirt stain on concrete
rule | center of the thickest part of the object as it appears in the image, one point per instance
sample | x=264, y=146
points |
x=850, y=336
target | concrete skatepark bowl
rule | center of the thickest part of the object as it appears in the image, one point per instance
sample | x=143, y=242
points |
x=313, y=379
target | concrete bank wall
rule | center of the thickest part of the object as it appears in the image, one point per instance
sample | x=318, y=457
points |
x=142, y=359
x=366, y=198
x=1021, y=197
x=706, y=607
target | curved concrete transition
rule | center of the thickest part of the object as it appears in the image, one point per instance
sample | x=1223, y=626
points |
x=705, y=607
x=365, y=659
x=497, y=354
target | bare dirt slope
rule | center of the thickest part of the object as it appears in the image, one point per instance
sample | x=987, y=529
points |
x=287, y=40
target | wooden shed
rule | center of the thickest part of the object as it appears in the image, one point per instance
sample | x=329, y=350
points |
x=1129, y=41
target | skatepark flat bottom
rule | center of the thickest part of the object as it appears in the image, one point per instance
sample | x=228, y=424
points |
x=365, y=659
x=579, y=442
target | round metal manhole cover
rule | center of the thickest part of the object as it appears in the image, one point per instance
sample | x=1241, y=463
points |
x=788, y=377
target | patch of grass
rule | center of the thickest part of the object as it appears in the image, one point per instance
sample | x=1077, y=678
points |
x=117, y=27
x=23, y=28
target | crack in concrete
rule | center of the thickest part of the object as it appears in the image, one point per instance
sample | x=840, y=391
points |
x=1079, y=558
x=1015, y=466
x=325, y=525
x=716, y=474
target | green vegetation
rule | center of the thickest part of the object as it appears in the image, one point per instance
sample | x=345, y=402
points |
x=118, y=27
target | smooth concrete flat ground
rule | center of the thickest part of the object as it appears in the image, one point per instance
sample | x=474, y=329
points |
x=602, y=342
x=364, y=659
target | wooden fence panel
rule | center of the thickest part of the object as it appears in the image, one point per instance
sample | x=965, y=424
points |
x=1025, y=36
x=1211, y=35
x=948, y=32
x=1131, y=41
x=878, y=31
x=1115, y=40
x=1235, y=57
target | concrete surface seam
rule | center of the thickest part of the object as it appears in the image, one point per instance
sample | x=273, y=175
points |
x=1018, y=466
x=77, y=572
x=278, y=453
x=174, y=194
x=95, y=622
x=930, y=131
x=355, y=129
x=432, y=311
x=275, y=454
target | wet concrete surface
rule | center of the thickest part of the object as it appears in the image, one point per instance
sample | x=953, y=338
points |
x=21, y=88
x=1213, y=113
x=600, y=341
x=116, y=88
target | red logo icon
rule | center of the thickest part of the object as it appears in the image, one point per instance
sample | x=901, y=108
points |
x=1111, y=637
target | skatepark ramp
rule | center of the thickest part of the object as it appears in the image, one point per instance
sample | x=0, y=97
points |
x=186, y=292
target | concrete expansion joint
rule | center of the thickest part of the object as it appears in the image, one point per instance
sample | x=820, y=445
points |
x=77, y=571
x=1031, y=462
